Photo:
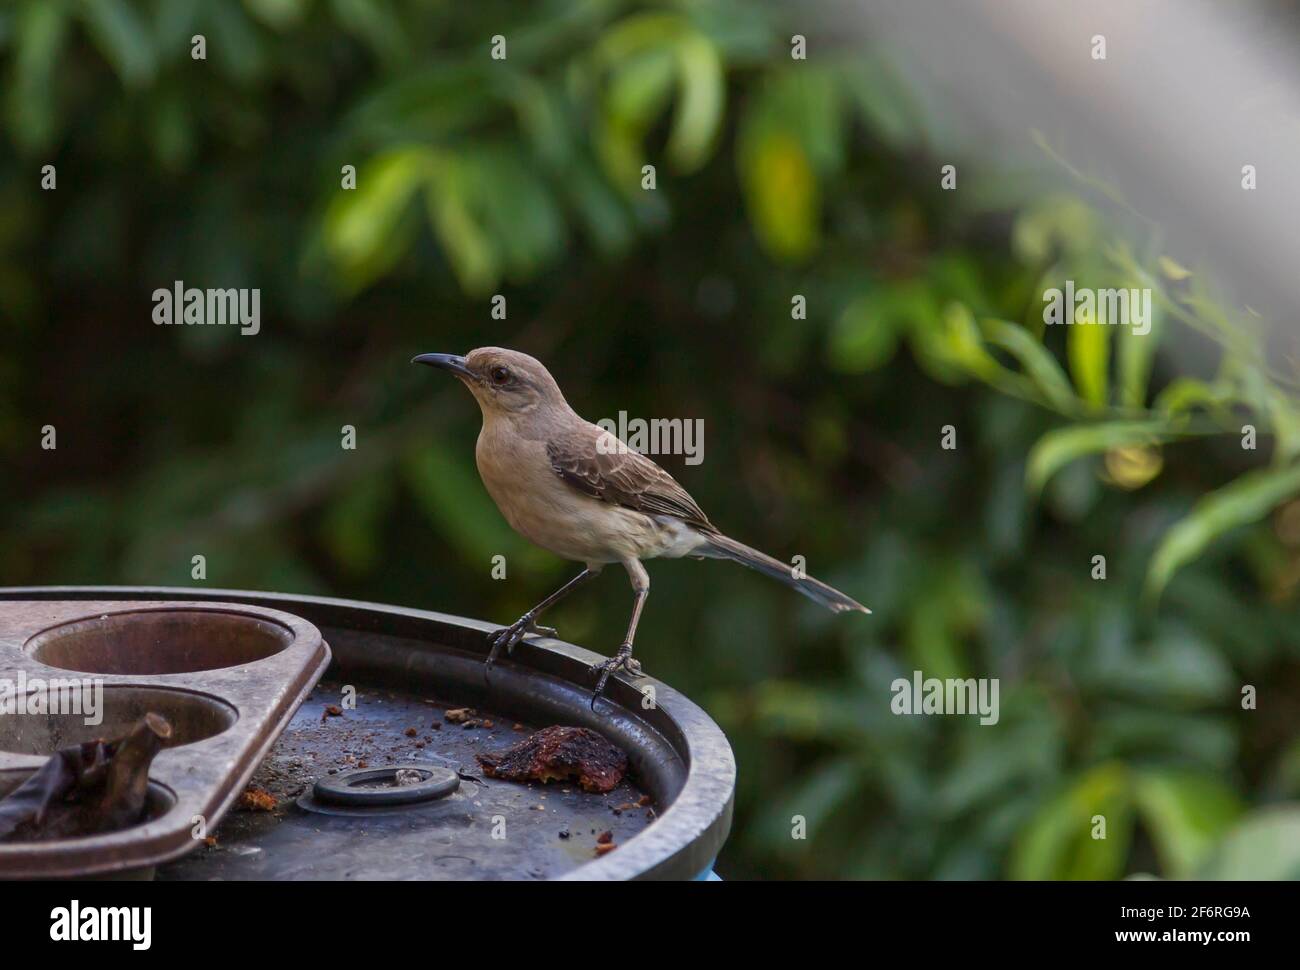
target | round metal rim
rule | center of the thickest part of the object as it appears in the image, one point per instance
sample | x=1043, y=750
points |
x=340, y=789
x=685, y=839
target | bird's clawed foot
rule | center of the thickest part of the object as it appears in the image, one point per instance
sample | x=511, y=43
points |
x=506, y=638
x=623, y=660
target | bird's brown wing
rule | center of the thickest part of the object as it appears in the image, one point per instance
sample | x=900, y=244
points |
x=621, y=477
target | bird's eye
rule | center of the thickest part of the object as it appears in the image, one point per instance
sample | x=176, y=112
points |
x=500, y=375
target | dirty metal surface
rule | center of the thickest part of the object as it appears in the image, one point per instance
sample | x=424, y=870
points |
x=677, y=755
x=487, y=829
x=226, y=677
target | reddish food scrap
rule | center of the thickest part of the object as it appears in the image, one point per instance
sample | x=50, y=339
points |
x=560, y=754
x=254, y=799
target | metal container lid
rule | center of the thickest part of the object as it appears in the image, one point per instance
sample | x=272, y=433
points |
x=678, y=756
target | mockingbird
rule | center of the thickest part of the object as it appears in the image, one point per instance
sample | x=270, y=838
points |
x=578, y=491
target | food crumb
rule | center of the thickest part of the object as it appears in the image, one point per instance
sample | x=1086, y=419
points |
x=254, y=799
x=605, y=837
x=562, y=754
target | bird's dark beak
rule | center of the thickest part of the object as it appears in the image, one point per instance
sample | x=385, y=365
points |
x=449, y=362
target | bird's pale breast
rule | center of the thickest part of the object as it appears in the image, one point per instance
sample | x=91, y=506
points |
x=549, y=512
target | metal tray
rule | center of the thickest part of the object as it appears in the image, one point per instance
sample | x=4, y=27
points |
x=227, y=677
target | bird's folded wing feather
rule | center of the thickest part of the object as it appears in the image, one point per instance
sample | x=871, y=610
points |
x=621, y=477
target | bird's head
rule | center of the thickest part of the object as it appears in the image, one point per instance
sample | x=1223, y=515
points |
x=503, y=381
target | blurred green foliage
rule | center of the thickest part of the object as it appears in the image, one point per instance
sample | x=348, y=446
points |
x=1120, y=697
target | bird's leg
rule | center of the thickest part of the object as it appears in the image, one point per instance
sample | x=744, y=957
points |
x=623, y=659
x=506, y=638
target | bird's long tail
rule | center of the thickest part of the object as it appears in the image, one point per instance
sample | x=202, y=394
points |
x=721, y=547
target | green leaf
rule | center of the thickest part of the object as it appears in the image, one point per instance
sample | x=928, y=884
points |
x=637, y=33
x=808, y=102
x=514, y=206
x=962, y=341
x=1136, y=353
x=861, y=338
x=1037, y=362
x=1265, y=845
x=1173, y=269
x=42, y=30
x=123, y=39
x=885, y=103
x=282, y=14
x=376, y=24
x=1058, y=223
x=866, y=332
x=464, y=239
x=234, y=42
x=985, y=765
x=1058, y=448
x=791, y=134
x=1088, y=349
x=1185, y=814
x=644, y=54
x=1142, y=730
x=637, y=92
x=1285, y=418
x=603, y=214
x=1243, y=501
x=1177, y=667
x=368, y=228
x=1184, y=394
x=1058, y=842
x=783, y=195
x=699, y=103
x=640, y=88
